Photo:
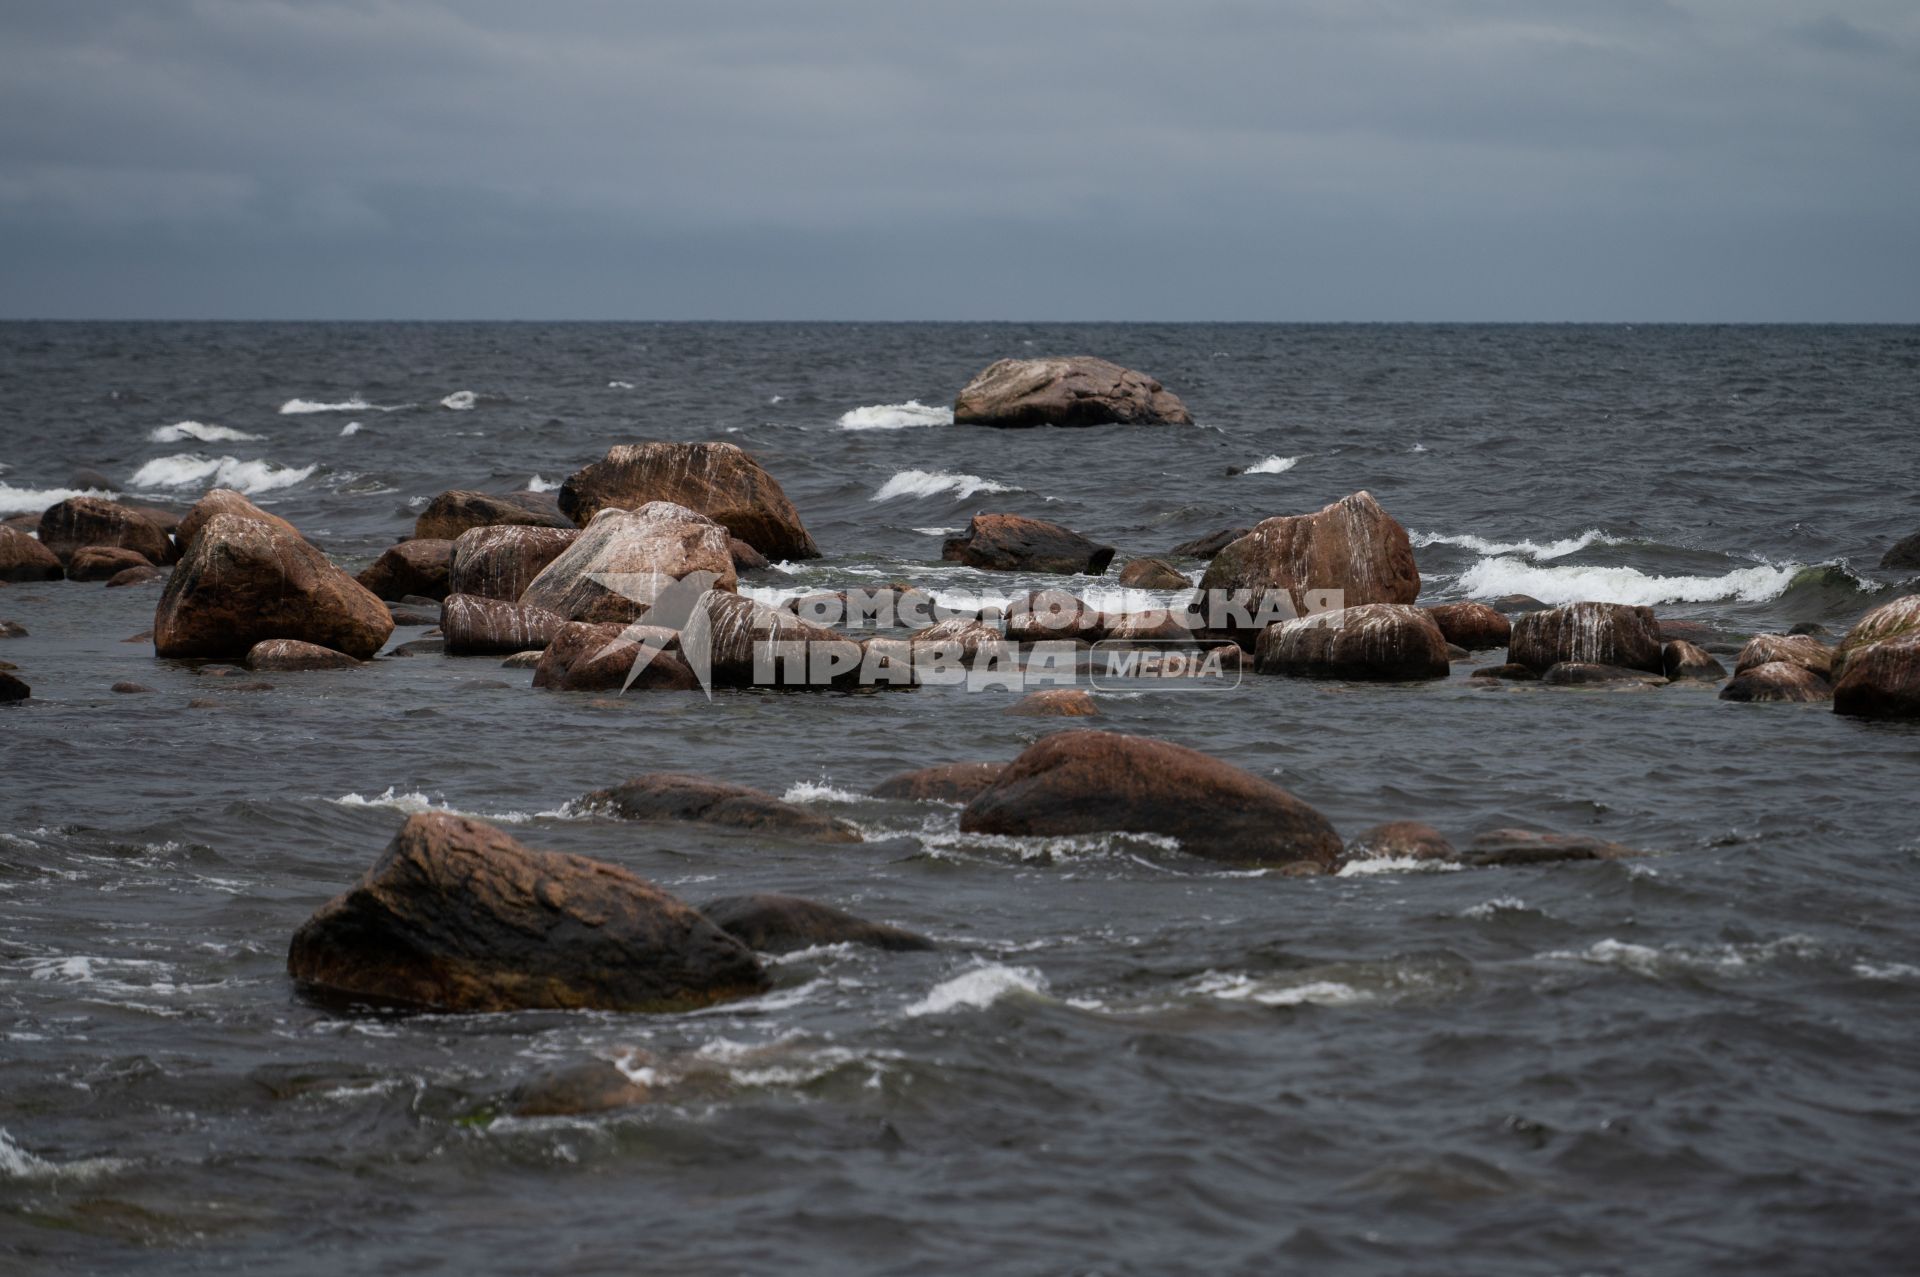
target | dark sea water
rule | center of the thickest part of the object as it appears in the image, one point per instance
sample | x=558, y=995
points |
x=1121, y=1060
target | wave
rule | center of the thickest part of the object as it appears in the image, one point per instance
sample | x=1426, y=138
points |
x=1531, y=549
x=18, y=1163
x=1491, y=578
x=808, y=791
x=978, y=989
x=894, y=416
x=33, y=500
x=932, y=483
x=351, y=428
x=537, y=484
x=460, y=400
x=1275, y=464
x=185, y=430
x=415, y=803
x=302, y=407
x=187, y=469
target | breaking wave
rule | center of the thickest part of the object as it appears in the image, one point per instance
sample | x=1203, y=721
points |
x=896, y=416
x=933, y=483
x=1530, y=549
x=185, y=430
x=978, y=989
x=33, y=500
x=187, y=469
x=1275, y=464
x=1491, y=578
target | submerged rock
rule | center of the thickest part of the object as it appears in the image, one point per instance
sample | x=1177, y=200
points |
x=1882, y=680
x=1474, y=626
x=243, y=580
x=1080, y=782
x=1039, y=616
x=677, y=796
x=576, y=1090
x=418, y=567
x=1056, y=702
x=1902, y=554
x=291, y=655
x=1348, y=554
x=1590, y=674
x=1400, y=840
x=1777, y=681
x=1526, y=847
x=1588, y=634
x=13, y=690
x=1013, y=543
x=1374, y=641
x=79, y=522
x=1153, y=574
x=1680, y=660
x=718, y=480
x=501, y=562
x=782, y=924
x=493, y=627
x=457, y=511
x=947, y=783
x=1804, y=650
x=1072, y=390
x=1207, y=546
x=22, y=558
x=457, y=916
x=130, y=688
x=625, y=559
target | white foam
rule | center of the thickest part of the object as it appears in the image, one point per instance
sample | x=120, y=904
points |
x=33, y=500
x=1494, y=907
x=1230, y=987
x=977, y=989
x=18, y=1163
x=537, y=484
x=820, y=791
x=191, y=469
x=619, y=385
x=302, y=407
x=1490, y=578
x=893, y=416
x=1648, y=961
x=933, y=483
x=351, y=428
x=1275, y=464
x=1531, y=549
x=415, y=803
x=1396, y=865
x=460, y=400
x=182, y=431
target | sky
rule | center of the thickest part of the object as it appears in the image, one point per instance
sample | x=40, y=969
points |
x=1298, y=160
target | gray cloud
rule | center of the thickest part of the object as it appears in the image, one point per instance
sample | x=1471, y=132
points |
x=1336, y=159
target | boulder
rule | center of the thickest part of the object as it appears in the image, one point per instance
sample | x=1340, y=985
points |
x=1158, y=627
x=1903, y=554
x=1589, y=674
x=12, y=629
x=457, y=916
x=1386, y=641
x=746, y=558
x=1082, y=782
x=1680, y=659
x=1056, y=702
x=1153, y=574
x=1012, y=543
x=961, y=638
x=737, y=627
x=719, y=480
x=1352, y=546
x=1588, y=633
x=1777, y=681
x=501, y=561
x=576, y=1090
x=127, y=687
x=1072, y=390
x=1040, y=616
x=287, y=655
x=242, y=581
x=1882, y=680
x=1474, y=626
x=1888, y=621
x=1690, y=631
x=645, y=551
x=13, y=690
x=132, y=576
x=78, y=522
x=22, y=558
x=1209, y=545
x=494, y=627
x=1526, y=847
x=103, y=562
x=418, y=567
x=1400, y=840
x=225, y=501
x=587, y=657
x=456, y=511
x=679, y=797
x=947, y=783
x=1804, y=650
x=782, y=924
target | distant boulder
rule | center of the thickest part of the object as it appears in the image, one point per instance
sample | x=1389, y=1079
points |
x=1588, y=634
x=1014, y=543
x=1056, y=702
x=1153, y=574
x=1474, y=626
x=644, y=551
x=79, y=522
x=772, y=923
x=719, y=480
x=1352, y=548
x=1400, y=840
x=103, y=562
x=1209, y=545
x=459, y=510
x=947, y=783
x=1681, y=660
x=1384, y=641
x=418, y=567
x=1040, y=616
x=1073, y=390
x=286, y=655
x=500, y=562
x=697, y=799
x=1804, y=650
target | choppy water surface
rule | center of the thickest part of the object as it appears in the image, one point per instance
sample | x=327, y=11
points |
x=1122, y=1060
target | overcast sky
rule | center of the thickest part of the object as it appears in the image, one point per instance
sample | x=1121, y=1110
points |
x=1047, y=159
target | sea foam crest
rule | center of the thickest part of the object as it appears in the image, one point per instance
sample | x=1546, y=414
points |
x=460, y=400
x=1491, y=578
x=188, y=469
x=33, y=500
x=182, y=431
x=1275, y=464
x=537, y=484
x=18, y=1163
x=933, y=483
x=977, y=989
x=895, y=416
x=1530, y=549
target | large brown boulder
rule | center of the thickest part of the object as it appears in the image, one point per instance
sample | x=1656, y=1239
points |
x=1071, y=390
x=456, y=511
x=418, y=567
x=1352, y=546
x=22, y=558
x=680, y=797
x=720, y=480
x=1474, y=626
x=1081, y=782
x=1888, y=621
x=642, y=552
x=501, y=562
x=1588, y=634
x=1777, y=681
x=586, y=657
x=1153, y=574
x=1804, y=650
x=225, y=501
x=1681, y=660
x=1013, y=543
x=1882, y=680
x=947, y=783
x=1040, y=616
x=243, y=581
x=1374, y=641
x=103, y=562
x=84, y=521
x=741, y=637
x=456, y=916
x=772, y=923
x=494, y=627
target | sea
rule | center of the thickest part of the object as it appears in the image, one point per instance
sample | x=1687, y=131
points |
x=1120, y=1059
